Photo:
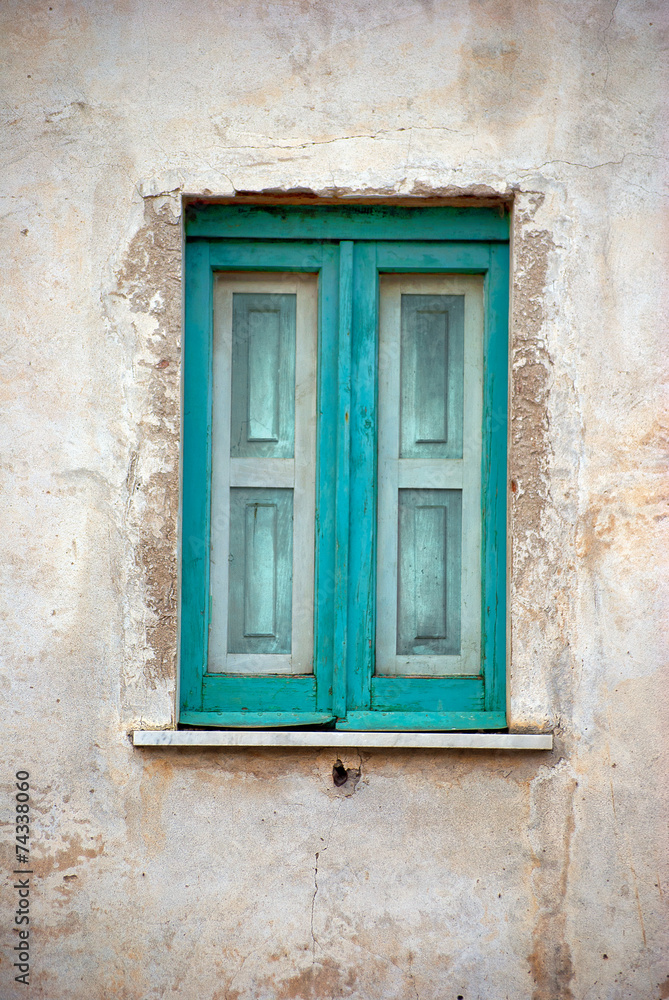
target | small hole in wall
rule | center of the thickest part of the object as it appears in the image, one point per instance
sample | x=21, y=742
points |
x=339, y=774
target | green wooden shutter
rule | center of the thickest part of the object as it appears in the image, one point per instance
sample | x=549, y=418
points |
x=404, y=527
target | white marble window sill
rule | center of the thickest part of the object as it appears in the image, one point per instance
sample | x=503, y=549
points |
x=321, y=738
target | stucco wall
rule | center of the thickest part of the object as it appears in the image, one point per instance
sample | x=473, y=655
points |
x=236, y=875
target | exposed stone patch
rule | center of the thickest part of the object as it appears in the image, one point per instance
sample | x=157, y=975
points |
x=530, y=384
x=150, y=281
x=542, y=514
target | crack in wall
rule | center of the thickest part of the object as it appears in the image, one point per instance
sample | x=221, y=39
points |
x=606, y=44
x=314, y=940
x=277, y=144
x=592, y=166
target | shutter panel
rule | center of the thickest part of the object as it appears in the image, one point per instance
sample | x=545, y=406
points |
x=263, y=474
x=429, y=507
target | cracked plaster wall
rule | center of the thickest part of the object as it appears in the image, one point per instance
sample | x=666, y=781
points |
x=243, y=875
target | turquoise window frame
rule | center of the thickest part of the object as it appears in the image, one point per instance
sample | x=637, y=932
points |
x=348, y=247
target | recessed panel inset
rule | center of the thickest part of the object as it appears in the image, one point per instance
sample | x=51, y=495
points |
x=260, y=558
x=263, y=375
x=261, y=571
x=430, y=566
x=432, y=376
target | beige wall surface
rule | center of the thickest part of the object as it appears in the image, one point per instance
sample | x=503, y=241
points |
x=242, y=874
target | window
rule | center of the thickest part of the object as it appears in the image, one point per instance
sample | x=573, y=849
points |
x=344, y=467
